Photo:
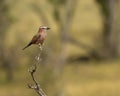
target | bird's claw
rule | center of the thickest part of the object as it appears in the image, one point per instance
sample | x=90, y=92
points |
x=40, y=47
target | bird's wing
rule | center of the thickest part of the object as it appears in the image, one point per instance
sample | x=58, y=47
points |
x=35, y=38
x=33, y=41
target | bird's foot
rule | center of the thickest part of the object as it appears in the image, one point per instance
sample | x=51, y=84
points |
x=40, y=47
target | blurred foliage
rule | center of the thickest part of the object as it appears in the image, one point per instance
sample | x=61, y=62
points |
x=85, y=79
x=104, y=7
x=56, y=15
x=57, y=2
x=3, y=16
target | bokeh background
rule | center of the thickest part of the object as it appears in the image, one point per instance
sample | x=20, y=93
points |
x=80, y=56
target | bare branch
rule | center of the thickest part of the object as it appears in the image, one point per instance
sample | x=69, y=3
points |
x=36, y=87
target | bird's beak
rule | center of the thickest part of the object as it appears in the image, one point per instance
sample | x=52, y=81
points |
x=48, y=28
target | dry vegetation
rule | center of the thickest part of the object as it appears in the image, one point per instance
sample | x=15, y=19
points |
x=79, y=80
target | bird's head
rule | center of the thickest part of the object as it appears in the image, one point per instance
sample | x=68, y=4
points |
x=44, y=28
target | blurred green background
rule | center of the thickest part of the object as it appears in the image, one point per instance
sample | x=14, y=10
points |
x=80, y=56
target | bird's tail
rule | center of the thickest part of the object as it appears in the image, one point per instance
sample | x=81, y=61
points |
x=26, y=46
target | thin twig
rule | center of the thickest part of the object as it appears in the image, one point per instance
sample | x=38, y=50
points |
x=32, y=71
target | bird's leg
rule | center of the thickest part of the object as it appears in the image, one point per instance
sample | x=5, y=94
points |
x=40, y=46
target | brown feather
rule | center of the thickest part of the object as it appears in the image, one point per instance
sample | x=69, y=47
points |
x=33, y=41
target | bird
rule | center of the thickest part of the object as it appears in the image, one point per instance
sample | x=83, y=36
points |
x=39, y=38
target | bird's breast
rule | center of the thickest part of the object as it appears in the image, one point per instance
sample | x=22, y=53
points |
x=43, y=35
x=42, y=38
